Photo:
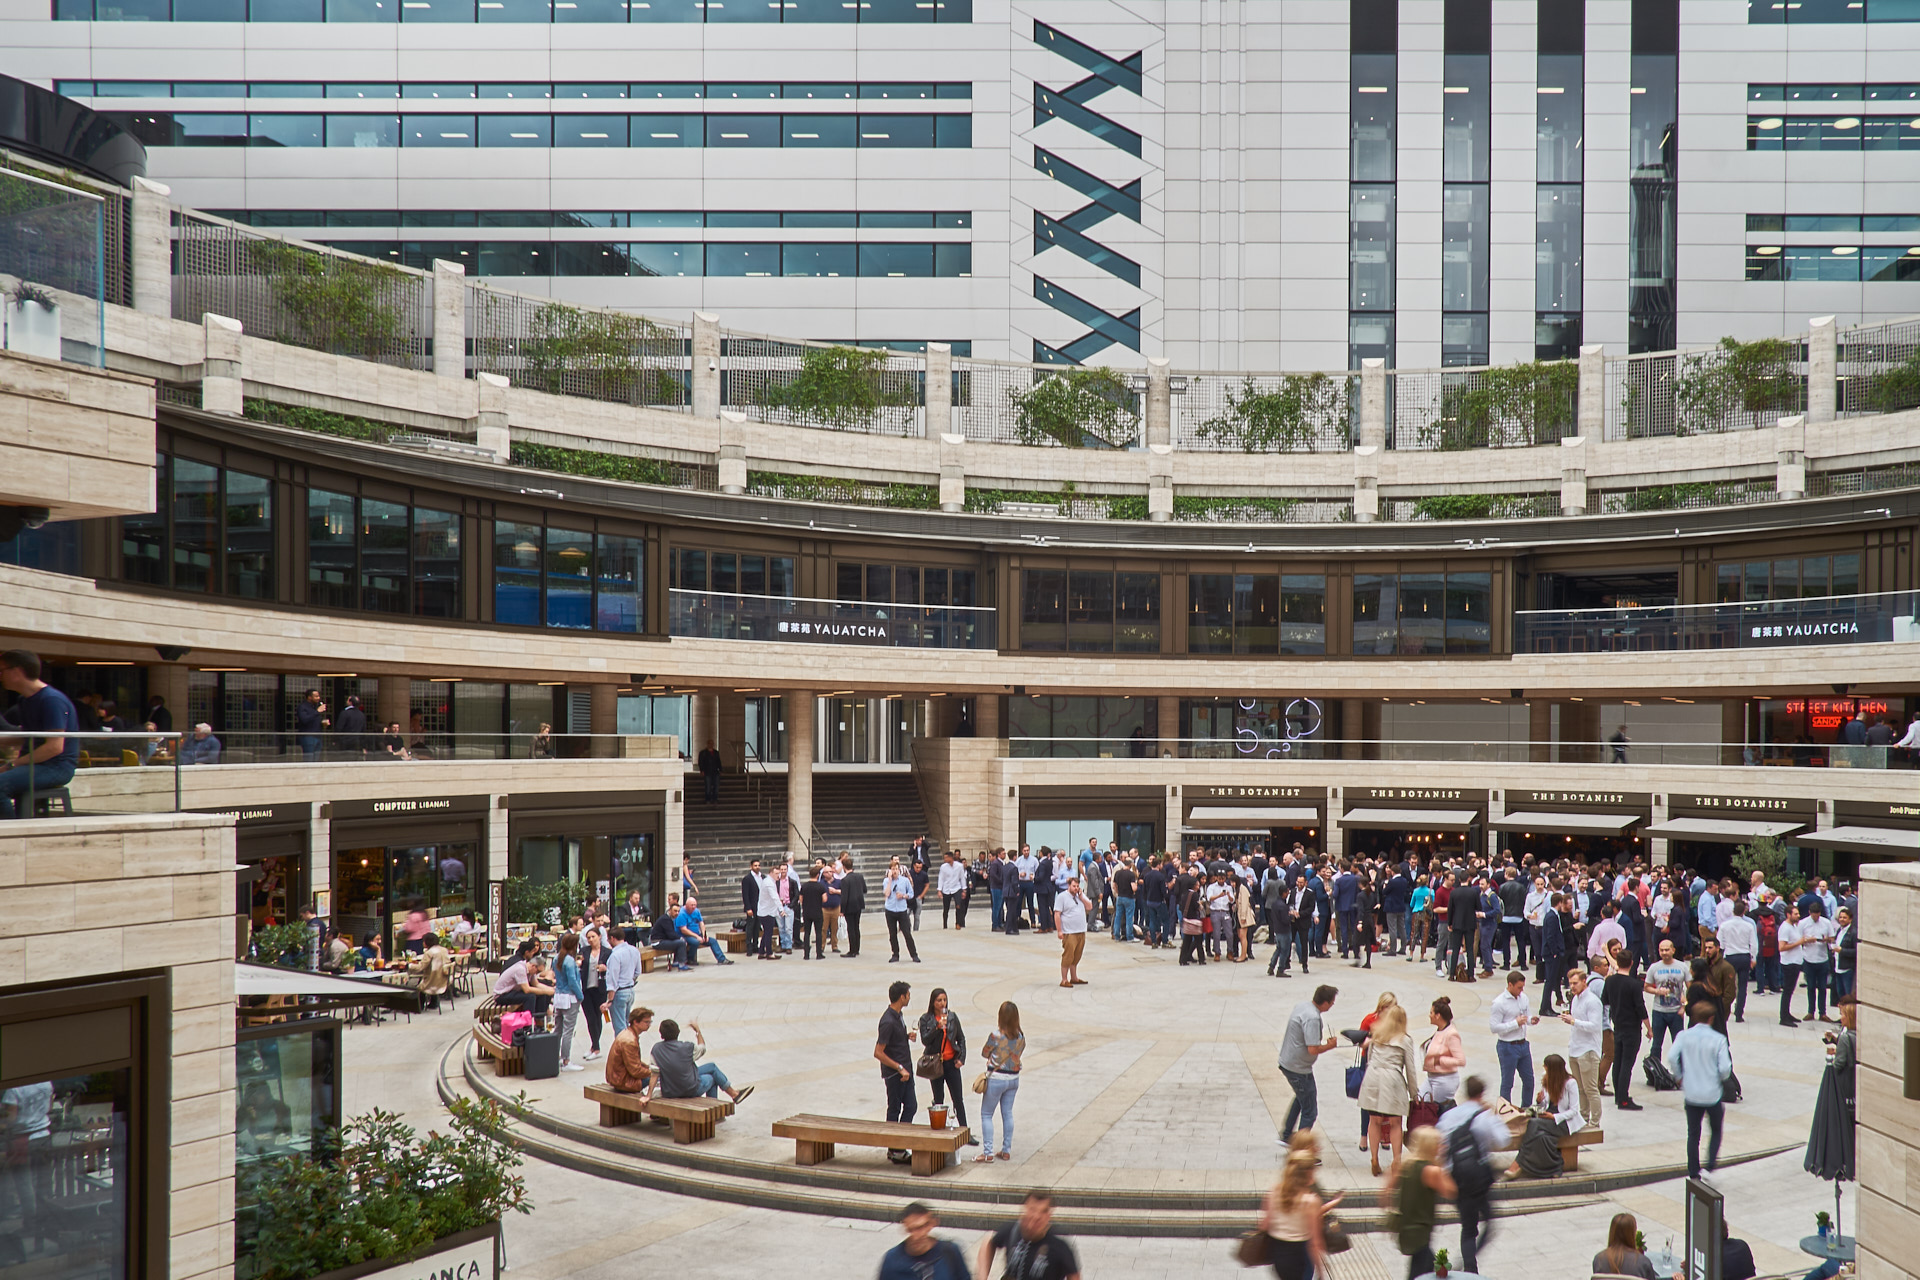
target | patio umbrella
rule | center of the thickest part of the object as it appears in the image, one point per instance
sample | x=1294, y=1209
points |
x=1830, y=1150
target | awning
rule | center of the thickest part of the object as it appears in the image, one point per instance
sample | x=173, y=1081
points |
x=1221, y=817
x=1411, y=819
x=323, y=989
x=1568, y=824
x=1718, y=830
x=1891, y=840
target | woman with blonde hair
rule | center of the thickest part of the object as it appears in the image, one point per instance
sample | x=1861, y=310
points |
x=1387, y=1001
x=1415, y=1190
x=1387, y=1090
x=1293, y=1216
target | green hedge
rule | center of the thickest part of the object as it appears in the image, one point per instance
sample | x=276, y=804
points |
x=595, y=465
x=319, y=420
x=843, y=492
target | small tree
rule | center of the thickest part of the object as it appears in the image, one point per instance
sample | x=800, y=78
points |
x=1897, y=388
x=1524, y=404
x=1306, y=411
x=599, y=355
x=1769, y=857
x=1749, y=378
x=842, y=387
x=1078, y=408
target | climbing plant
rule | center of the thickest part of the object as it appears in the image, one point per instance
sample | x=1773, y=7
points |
x=1712, y=389
x=1509, y=406
x=1307, y=411
x=599, y=355
x=843, y=387
x=1078, y=408
x=1897, y=388
x=348, y=306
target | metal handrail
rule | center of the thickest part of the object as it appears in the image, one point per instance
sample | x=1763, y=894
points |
x=89, y=735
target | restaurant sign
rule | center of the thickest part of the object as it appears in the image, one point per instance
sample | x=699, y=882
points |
x=1266, y=793
x=468, y=1255
x=1416, y=794
x=834, y=631
x=1816, y=626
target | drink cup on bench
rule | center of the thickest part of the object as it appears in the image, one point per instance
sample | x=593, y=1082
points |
x=937, y=1115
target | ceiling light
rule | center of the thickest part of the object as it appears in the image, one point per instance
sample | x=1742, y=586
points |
x=1767, y=250
x=223, y=668
x=104, y=662
x=551, y=684
x=1550, y=88
x=1847, y=122
x=1771, y=122
x=1844, y=249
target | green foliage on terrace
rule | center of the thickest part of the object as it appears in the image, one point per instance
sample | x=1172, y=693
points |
x=1233, y=510
x=348, y=306
x=1307, y=411
x=1669, y=497
x=988, y=501
x=1077, y=408
x=595, y=465
x=1892, y=390
x=1735, y=378
x=597, y=355
x=1511, y=406
x=843, y=492
x=319, y=421
x=842, y=387
x=1477, y=506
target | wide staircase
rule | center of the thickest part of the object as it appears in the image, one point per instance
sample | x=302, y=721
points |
x=873, y=814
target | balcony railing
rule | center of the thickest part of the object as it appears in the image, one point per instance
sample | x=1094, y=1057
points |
x=1876, y=618
x=1249, y=746
x=719, y=615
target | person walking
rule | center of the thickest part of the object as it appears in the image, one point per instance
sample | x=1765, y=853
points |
x=1300, y=1047
x=894, y=1053
x=1469, y=1135
x=1033, y=1252
x=1293, y=1218
x=1279, y=923
x=1003, y=1050
x=940, y=1034
x=1070, y=918
x=1415, y=1191
x=923, y=1255
x=1586, y=1015
x=1387, y=1089
x=1701, y=1061
x=853, y=900
x=1625, y=998
x=953, y=888
x=1510, y=1021
x=1444, y=1057
x=900, y=902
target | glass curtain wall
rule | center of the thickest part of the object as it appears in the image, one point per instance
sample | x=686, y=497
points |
x=1655, y=149
x=211, y=530
x=1373, y=107
x=1465, y=165
x=1559, y=136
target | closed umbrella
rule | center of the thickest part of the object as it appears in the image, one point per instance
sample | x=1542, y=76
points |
x=1830, y=1151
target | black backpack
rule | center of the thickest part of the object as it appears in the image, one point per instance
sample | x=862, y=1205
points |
x=1659, y=1079
x=1471, y=1172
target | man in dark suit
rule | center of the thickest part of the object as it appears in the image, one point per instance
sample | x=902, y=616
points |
x=750, y=903
x=709, y=765
x=1555, y=929
x=853, y=900
x=350, y=730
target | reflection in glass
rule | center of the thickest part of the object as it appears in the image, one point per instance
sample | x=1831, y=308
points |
x=64, y=1198
x=249, y=511
x=196, y=524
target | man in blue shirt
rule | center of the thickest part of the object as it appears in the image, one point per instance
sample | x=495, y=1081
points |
x=694, y=931
x=44, y=764
x=1700, y=1060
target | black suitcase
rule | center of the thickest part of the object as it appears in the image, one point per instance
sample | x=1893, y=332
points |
x=542, y=1056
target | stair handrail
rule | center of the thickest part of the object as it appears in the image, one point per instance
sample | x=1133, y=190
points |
x=749, y=757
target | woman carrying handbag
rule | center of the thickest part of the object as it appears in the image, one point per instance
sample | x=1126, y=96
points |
x=943, y=1052
x=1193, y=927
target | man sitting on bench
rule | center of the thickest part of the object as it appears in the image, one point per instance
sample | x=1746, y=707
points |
x=627, y=1070
x=682, y=1075
x=665, y=934
x=693, y=932
x=519, y=984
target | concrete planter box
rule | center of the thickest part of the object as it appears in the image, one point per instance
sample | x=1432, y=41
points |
x=465, y=1255
x=33, y=328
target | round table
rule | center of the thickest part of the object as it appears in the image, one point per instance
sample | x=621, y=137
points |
x=1839, y=1248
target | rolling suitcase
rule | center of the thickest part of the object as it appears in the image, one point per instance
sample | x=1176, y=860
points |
x=542, y=1056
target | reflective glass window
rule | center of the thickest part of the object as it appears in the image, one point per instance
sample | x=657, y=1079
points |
x=249, y=536
x=516, y=574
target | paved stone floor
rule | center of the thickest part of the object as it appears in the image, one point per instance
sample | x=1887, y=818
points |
x=1147, y=1077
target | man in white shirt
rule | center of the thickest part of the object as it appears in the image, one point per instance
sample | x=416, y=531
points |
x=1587, y=1017
x=1510, y=1022
x=1911, y=740
x=623, y=970
x=1756, y=889
x=1070, y=918
x=953, y=888
x=767, y=911
x=1740, y=944
x=1816, y=935
x=1026, y=864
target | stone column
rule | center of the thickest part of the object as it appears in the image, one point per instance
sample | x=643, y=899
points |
x=449, y=319
x=703, y=723
x=221, y=387
x=320, y=859
x=1160, y=483
x=1656, y=846
x=1540, y=730
x=1333, y=836
x=490, y=429
x=1823, y=369
x=1170, y=724
x=151, y=231
x=603, y=720
x=1366, y=484
x=396, y=700
x=730, y=724
x=1350, y=732
x=1573, y=476
x=1373, y=403
x=1159, y=403
x=732, y=458
x=953, y=471
x=499, y=841
x=1791, y=460
x=1171, y=837
x=1371, y=729
x=939, y=389
x=799, y=707
x=986, y=715
x=1593, y=392
x=706, y=365
x=170, y=681
x=1733, y=730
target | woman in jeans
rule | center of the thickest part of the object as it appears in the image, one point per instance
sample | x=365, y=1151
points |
x=940, y=1033
x=1003, y=1050
x=567, y=995
x=593, y=981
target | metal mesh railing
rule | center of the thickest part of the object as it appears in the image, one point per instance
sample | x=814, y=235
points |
x=588, y=352
x=1075, y=407
x=1473, y=506
x=835, y=388
x=1839, y=483
x=301, y=294
x=1686, y=494
x=985, y=393
x=1879, y=368
x=1732, y=387
x=1267, y=413
x=1510, y=407
x=115, y=258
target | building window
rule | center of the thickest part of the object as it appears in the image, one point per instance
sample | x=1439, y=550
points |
x=904, y=584
x=1654, y=148
x=1803, y=578
x=1089, y=611
x=52, y=548
x=567, y=579
x=1559, y=171
x=1465, y=169
x=732, y=573
x=373, y=556
x=1083, y=727
x=1422, y=613
x=1373, y=71
x=211, y=531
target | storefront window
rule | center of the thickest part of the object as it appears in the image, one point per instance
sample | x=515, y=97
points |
x=1083, y=727
x=1469, y=617
x=376, y=885
x=1268, y=728
x=1233, y=613
x=732, y=573
x=1422, y=613
x=567, y=579
x=382, y=557
x=1303, y=613
x=1804, y=578
x=287, y=1101
x=211, y=530
x=1090, y=611
x=75, y=1148
x=666, y=714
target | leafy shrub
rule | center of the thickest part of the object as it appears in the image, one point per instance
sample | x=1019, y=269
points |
x=1750, y=378
x=281, y=943
x=842, y=387
x=1514, y=405
x=599, y=355
x=320, y=421
x=1307, y=411
x=842, y=492
x=1892, y=390
x=530, y=903
x=387, y=1194
x=348, y=306
x=1078, y=408
x=1769, y=857
x=1668, y=497
x=988, y=501
x=1250, y=510
x=595, y=465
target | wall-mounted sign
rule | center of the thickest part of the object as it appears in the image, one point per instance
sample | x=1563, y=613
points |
x=1417, y=795
x=1831, y=713
x=1266, y=793
x=1755, y=806
x=1528, y=800
x=824, y=630
x=414, y=807
x=1811, y=626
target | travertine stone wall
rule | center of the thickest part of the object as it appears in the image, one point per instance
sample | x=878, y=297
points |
x=1889, y=1125
x=75, y=440
x=154, y=893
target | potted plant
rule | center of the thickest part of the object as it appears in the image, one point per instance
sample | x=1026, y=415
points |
x=283, y=944
x=1823, y=1223
x=378, y=1193
x=33, y=322
x=1441, y=1265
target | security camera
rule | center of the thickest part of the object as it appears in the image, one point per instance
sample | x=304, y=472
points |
x=14, y=519
x=171, y=652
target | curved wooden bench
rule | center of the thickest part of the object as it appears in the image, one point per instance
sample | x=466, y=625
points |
x=693, y=1119
x=1571, y=1144
x=816, y=1136
x=507, y=1060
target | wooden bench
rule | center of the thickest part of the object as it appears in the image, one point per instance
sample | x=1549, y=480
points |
x=693, y=1119
x=507, y=1060
x=1571, y=1144
x=816, y=1136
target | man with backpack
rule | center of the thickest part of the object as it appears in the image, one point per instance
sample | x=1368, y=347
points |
x=1469, y=1134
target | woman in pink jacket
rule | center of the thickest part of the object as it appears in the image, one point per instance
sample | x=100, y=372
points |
x=1445, y=1057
